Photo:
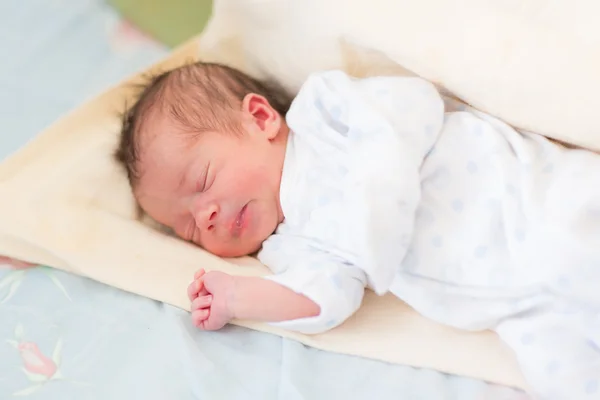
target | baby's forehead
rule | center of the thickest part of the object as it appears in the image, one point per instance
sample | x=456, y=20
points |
x=162, y=140
x=164, y=161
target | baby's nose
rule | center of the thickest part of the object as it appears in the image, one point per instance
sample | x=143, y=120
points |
x=207, y=218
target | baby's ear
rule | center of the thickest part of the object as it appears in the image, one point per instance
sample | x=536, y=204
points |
x=264, y=116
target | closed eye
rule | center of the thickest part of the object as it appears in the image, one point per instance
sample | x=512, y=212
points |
x=203, y=180
x=210, y=181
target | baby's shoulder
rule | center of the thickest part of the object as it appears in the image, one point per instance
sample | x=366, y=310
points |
x=288, y=246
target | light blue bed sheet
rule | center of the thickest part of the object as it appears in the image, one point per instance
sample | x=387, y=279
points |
x=96, y=342
x=67, y=337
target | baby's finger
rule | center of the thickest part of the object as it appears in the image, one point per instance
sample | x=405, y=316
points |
x=199, y=273
x=202, y=302
x=192, y=290
x=196, y=286
x=196, y=289
x=199, y=316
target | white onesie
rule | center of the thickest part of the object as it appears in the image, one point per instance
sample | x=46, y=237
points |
x=470, y=222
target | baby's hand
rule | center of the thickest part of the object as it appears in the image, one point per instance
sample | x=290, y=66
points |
x=211, y=294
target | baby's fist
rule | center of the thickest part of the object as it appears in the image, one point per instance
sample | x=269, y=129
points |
x=211, y=294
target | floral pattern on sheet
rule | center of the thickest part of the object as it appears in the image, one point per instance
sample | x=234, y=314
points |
x=37, y=367
x=86, y=340
x=15, y=264
x=12, y=281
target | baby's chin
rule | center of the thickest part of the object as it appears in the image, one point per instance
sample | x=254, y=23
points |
x=247, y=246
x=235, y=251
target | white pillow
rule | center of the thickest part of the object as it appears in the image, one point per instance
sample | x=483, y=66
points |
x=534, y=64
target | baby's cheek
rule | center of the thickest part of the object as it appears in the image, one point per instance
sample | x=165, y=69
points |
x=247, y=184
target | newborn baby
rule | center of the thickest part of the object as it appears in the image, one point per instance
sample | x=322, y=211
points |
x=371, y=183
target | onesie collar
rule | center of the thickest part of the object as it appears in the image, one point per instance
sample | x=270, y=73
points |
x=288, y=174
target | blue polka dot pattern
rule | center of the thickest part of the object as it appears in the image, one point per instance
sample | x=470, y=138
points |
x=480, y=251
x=519, y=235
x=332, y=116
x=591, y=387
x=437, y=241
x=324, y=200
x=527, y=339
x=335, y=112
x=382, y=92
x=472, y=167
x=457, y=205
x=331, y=323
x=319, y=105
x=336, y=281
x=359, y=134
x=563, y=282
x=552, y=367
x=342, y=170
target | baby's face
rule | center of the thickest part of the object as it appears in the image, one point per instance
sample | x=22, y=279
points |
x=219, y=190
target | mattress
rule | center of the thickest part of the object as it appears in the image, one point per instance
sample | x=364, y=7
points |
x=64, y=336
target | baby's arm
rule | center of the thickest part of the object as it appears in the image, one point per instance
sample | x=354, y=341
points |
x=217, y=298
x=259, y=299
x=316, y=292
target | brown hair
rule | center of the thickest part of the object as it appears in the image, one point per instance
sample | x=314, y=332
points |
x=198, y=97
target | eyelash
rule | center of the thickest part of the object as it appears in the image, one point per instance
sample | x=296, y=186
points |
x=202, y=187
